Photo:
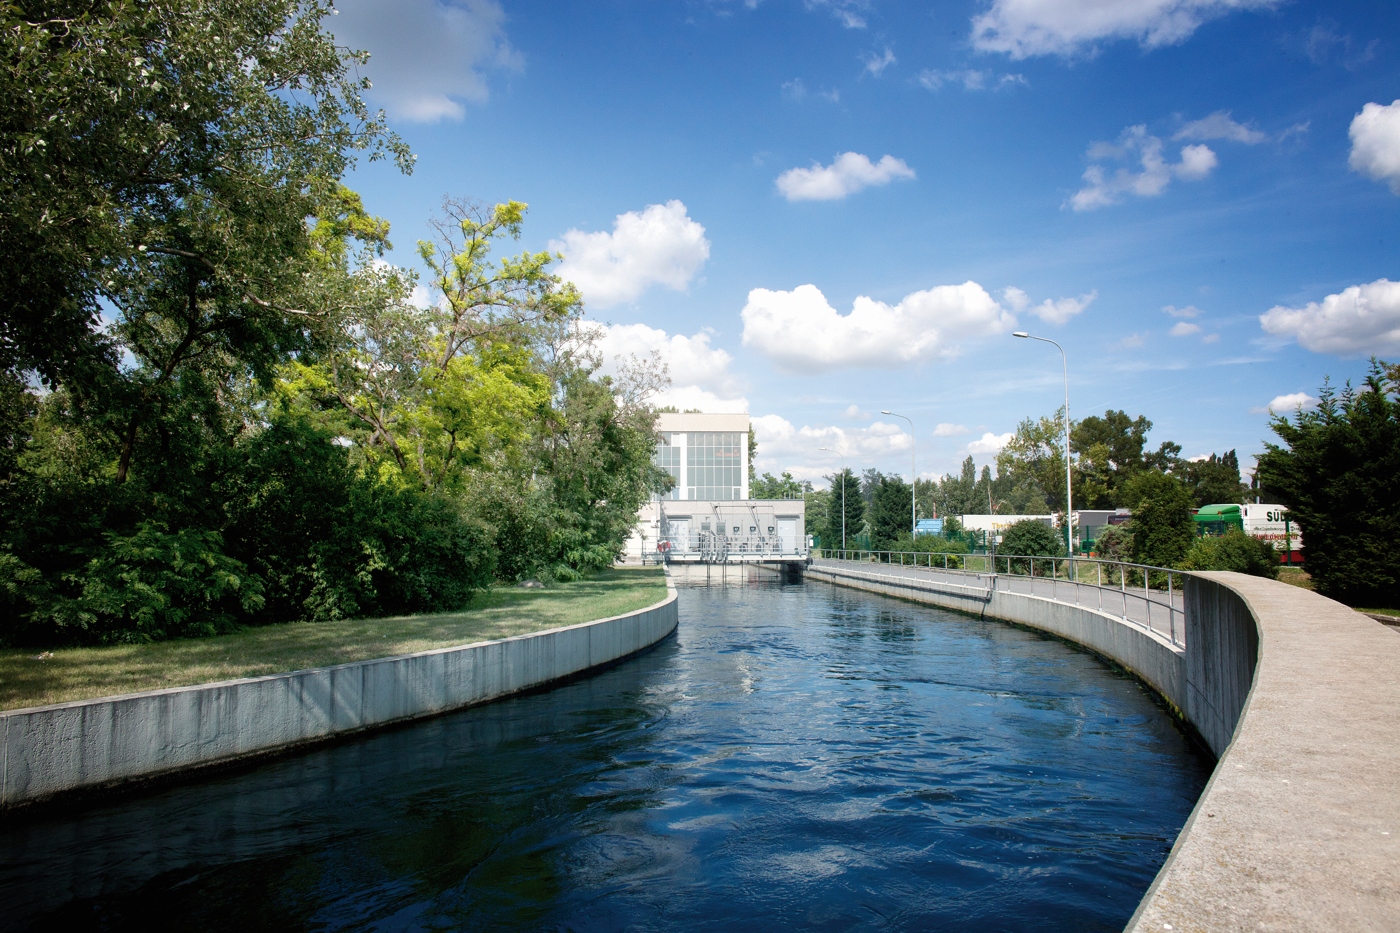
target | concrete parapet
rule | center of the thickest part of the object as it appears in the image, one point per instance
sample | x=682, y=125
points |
x=1299, y=827
x=89, y=744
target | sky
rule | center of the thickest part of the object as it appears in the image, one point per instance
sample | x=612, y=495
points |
x=817, y=211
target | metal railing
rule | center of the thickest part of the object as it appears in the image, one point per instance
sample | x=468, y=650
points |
x=1149, y=597
x=709, y=546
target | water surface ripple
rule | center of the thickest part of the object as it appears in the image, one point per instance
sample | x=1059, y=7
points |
x=796, y=758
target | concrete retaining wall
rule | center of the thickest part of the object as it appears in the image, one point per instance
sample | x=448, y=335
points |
x=90, y=744
x=1153, y=659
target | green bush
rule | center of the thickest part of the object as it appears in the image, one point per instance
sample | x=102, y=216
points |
x=1235, y=551
x=1031, y=538
x=934, y=544
x=1115, y=542
x=331, y=542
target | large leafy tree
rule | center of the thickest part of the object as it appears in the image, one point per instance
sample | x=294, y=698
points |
x=1216, y=479
x=1338, y=471
x=1035, y=456
x=1110, y=450
x=1162, y=528
x=157, y=164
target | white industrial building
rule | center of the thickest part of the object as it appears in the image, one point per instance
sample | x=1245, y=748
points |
x=708, y=515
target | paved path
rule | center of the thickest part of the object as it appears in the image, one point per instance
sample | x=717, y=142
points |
x=1151, y=611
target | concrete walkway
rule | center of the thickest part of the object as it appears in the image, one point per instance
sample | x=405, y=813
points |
x=1299, y=828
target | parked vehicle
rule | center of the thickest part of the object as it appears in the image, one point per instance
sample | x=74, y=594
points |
x=1266, y=521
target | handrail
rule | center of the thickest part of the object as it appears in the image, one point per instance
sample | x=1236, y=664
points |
x=1137, y=589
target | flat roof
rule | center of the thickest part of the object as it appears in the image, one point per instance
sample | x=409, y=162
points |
x=701, y=421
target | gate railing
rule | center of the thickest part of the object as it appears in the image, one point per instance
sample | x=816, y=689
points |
x=1141, y=595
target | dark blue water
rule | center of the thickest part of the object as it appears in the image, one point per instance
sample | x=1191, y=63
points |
x=796, y=758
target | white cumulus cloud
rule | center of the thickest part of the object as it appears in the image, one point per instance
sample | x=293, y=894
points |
x=783, y=446
x=848, y=173
x=1023, y=28
x=658, y=246
x=947, y=429
x=1283, y=404
x=1220, y=125
x=1375, y=143
x=426, y=56
x=990, y=443
x=701, y=374
x=801, y=331
x=1361, y=320
x=1185, y=329
x=1102, y=189
x=1061, y=310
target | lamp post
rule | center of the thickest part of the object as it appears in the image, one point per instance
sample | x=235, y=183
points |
x=913, y=478
x=843, y=496
x=1069, y=501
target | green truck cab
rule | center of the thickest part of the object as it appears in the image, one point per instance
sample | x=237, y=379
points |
x=1215, y=520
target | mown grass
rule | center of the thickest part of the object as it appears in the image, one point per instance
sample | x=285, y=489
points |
x=1300, y=577
x=32, y=678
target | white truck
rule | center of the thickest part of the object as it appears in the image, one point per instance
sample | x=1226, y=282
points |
x=1270, y=523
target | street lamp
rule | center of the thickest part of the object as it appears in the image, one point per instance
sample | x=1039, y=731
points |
x=913, y=478
x=843, y=496
x=1069, y=501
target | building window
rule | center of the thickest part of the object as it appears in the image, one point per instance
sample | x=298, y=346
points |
x=715, y=465
x=668, y=457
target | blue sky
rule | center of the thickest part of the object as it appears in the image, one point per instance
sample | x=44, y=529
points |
x=818, y=210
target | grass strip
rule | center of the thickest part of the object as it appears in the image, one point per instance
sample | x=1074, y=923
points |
x=33, y=678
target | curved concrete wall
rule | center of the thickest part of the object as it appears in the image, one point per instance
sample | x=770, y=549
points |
x=1299, y=698
x=1153, y=659
x=50, y=750
x=1299, y=827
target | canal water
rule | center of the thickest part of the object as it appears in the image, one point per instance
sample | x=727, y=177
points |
x=795, y=758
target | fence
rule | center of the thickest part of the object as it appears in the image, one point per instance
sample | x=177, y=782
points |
x=710, y=547
x=1149, y=597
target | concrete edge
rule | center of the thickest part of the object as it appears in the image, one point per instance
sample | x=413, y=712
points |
x=1167, y=685
x=1287, y=833
x=632, y=640
x=263, y=678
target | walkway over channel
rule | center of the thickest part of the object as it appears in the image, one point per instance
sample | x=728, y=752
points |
x=1298, y=697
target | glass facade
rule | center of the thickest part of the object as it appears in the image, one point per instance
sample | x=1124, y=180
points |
x=704, y=464
x=669, y=456
x=714, y=465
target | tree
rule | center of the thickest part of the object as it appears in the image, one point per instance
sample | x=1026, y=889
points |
x=1161, y=525
x=1338, y=472
x=442, y=389
x=161, y=158
x=1214, y=480
x=854, y=505
x=769, y=486
x=1110, y=451
x=1035, y=455
x=890, y=518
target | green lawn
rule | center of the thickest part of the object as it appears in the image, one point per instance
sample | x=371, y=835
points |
x=31, y=678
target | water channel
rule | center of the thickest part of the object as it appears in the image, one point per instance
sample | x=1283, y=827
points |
x=797, y=757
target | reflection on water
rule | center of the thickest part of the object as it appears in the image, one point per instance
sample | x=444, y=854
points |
x=796, y=758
